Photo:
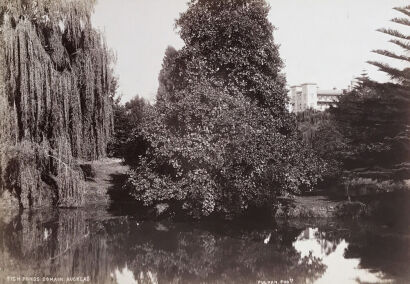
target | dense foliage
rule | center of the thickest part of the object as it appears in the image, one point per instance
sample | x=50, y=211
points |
x=365, y=138
x=56, y=99
x=365, y=135
x=318, y=129
x=220, y=137
x=125, y=142
x=374, y=119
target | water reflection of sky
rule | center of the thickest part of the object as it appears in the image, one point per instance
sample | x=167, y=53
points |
x=126, y=276
x=338, y=268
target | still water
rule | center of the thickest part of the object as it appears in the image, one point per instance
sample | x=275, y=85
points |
x=100, y=246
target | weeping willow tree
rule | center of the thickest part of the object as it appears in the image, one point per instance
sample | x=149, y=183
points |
x=56, y=90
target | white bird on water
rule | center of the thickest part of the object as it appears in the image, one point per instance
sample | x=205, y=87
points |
x=267, y=239
x=47, y=234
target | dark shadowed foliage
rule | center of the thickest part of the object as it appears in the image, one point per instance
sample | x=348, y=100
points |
x=318, y=129
x=365, y=135
x=374, y=119
x=126, y=143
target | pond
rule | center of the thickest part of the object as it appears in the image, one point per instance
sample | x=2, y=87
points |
x=96, y=245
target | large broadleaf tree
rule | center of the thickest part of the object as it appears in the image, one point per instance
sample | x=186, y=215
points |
x=222, y=139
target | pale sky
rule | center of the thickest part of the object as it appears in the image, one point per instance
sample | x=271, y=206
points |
x=323, y=41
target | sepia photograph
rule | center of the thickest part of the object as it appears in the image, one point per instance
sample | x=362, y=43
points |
x=204, y=141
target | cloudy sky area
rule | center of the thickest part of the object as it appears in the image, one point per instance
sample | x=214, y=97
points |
x=322, y=41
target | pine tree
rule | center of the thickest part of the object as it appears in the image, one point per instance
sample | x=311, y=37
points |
x=400, y=75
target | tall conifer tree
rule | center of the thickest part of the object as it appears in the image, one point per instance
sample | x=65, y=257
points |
x=399, y=39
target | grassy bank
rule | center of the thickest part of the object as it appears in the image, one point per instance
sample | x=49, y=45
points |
x=102, y=179
x=386, y=207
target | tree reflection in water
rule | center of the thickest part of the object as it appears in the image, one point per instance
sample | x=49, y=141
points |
x=122, y=249
x=53, y=244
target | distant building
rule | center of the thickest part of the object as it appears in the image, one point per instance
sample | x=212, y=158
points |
x=308, y=96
